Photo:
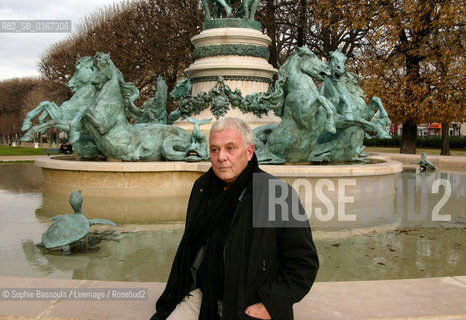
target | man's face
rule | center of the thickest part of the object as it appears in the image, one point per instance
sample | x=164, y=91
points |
x=229, y=155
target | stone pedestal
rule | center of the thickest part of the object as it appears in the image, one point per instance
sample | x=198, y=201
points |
x=240, y=56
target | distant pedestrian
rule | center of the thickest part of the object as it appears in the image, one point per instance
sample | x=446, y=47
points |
x=66, y=148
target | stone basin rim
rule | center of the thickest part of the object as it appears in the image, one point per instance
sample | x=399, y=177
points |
x=377, y=169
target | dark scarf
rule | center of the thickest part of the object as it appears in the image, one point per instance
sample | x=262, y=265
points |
x=217, y=206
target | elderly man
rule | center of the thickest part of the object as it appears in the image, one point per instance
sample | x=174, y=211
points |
x=226, y=266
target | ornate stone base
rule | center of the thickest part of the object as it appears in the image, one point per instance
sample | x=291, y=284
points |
x=240, y=56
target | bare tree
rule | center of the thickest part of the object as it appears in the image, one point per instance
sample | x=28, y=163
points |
x=145, y=39
x=14, y=95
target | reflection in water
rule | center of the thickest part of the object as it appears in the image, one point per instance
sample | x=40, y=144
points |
x=133, y=256
x=399, y=254
x=418, y=247
x=20, y=177
x=47, y=264
x=430, y=199
x=119, y=210
x=147, y=256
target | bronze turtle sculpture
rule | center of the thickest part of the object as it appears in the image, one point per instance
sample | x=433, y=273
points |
x=424, y=164
x=70, y=228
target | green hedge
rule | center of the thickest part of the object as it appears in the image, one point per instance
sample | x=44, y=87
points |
x=421, y=142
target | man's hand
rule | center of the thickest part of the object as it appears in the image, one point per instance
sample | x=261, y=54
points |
x=258, y=311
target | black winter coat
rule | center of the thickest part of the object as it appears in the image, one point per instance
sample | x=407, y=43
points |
x=278, y=269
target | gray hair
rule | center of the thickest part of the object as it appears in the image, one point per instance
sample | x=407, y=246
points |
x=234, y=123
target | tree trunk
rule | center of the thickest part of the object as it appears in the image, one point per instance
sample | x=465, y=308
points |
x=408, y=137
x=445, y=151
x=301, y=37
x=270, y=24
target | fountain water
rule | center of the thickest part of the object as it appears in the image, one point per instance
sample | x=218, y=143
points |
x=406, y=243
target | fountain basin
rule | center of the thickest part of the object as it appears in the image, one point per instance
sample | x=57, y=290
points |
x=154, y=192
x=415, y=247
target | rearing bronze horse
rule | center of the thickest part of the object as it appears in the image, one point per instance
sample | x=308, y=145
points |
x=106, y=121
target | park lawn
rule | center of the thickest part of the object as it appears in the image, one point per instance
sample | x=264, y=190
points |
x=430, y=152
x=21, y=151
x=16, y=162
x=26, y=151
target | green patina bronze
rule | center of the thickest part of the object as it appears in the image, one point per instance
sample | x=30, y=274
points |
x=246, y=11
x=354, y=118
x=231, y=49
x=68, y=229
x=231, y=23
x=318, y=124
x=107, y=121
x=424, y=164
x=242, y=18
x=63, y=117
x=199, y=147
x=154, y=110
x=219, y=99
x=104, y=115
x=304, y=111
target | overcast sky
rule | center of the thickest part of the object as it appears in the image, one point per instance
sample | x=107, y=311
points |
x=20, y=52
